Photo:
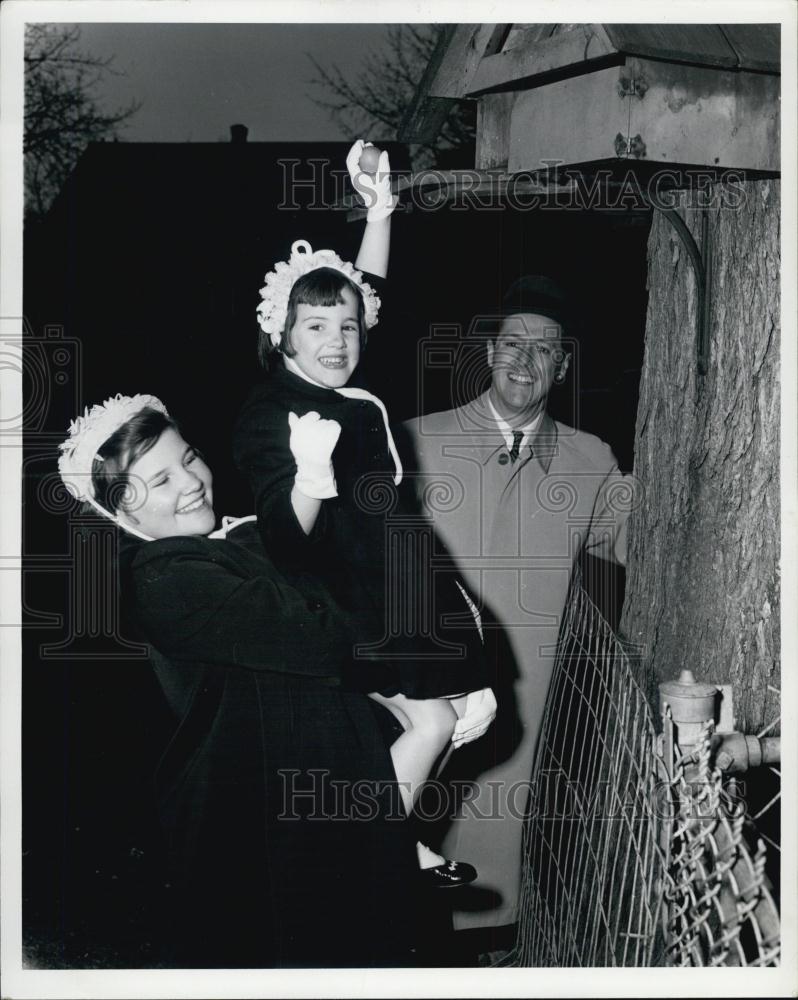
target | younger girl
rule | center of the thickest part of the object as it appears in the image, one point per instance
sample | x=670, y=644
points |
x=323, y=467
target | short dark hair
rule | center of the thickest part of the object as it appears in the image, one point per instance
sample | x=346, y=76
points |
x=127, y=444
x=320, y=287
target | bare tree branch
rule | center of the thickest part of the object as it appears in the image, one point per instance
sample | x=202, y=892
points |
x=373, y=100
x=61, y=112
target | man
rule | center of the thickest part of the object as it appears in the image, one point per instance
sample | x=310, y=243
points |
x=532, y=494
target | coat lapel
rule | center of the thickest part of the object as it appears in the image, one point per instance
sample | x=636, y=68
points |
x=480, y=432
x=543, y=445
x=541, y=449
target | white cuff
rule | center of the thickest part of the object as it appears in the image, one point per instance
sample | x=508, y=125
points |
x=380, y=211
x=316, y=487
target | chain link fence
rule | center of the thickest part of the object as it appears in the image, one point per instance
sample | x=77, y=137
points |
x=635, y=854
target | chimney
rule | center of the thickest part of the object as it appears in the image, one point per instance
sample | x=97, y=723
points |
x=238, y=133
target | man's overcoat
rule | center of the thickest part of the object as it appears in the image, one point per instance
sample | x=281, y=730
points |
x=515, y=530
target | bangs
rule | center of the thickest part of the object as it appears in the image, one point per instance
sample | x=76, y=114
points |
x=323, y=287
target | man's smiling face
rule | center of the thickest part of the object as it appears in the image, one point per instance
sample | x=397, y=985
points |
x=524, y=359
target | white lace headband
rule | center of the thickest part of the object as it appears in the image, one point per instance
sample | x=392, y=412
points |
x=273, y=310
x=88, y=433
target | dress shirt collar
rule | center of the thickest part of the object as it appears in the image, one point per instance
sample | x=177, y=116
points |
x=507, y=431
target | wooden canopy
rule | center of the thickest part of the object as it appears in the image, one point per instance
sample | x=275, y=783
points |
x=699, y=94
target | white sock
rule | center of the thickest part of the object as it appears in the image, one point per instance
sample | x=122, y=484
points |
x=428, y=858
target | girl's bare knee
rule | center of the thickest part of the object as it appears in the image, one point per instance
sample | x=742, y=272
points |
x=434, y=716
x=394, y=705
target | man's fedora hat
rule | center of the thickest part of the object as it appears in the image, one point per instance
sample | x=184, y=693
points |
x=538, y=294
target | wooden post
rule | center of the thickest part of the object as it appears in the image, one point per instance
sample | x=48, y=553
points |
x=703, y=576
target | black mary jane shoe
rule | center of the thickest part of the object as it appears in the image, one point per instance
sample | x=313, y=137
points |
x=448, y=875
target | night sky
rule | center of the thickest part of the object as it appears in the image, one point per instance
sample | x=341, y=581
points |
x=195, y=80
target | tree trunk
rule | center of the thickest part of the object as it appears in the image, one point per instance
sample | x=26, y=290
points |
x=703, y=576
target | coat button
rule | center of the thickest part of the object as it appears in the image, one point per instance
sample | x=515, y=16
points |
x=504, y=458
x=316, y=605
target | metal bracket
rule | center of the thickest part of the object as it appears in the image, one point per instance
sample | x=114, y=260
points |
x=629, y=146
x=702, y=268
x=632, y=86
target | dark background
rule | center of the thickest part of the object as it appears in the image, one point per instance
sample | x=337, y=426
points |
x=144, y=277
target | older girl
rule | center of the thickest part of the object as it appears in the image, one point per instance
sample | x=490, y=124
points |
x=275, y=861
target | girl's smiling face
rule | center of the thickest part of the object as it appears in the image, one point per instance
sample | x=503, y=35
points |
x=170, y=490
x=326, y=340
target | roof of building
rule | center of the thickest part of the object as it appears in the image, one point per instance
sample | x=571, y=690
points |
x=475, y=59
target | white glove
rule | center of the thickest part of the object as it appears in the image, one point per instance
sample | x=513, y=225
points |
x=480, y=711
x=374, y=189
x=312, y=442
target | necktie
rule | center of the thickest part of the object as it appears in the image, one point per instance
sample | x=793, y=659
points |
x=517, y=438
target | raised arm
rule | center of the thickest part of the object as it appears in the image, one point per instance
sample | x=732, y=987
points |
x=375, y=247
x=375, y=190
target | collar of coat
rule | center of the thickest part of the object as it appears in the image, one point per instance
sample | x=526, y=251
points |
x=280, y=375
x=478, y=423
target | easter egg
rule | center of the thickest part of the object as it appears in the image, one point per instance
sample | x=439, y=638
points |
x=369, y=159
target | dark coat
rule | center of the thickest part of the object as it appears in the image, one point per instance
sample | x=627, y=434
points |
x=415, y=630
x=252, y=668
